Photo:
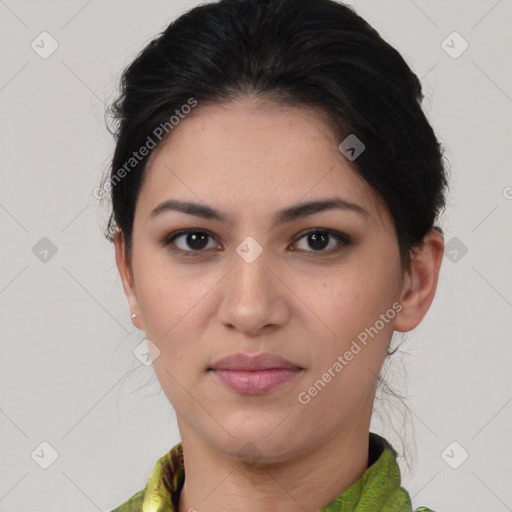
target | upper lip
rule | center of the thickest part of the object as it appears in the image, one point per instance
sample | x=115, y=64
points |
x=240, y=361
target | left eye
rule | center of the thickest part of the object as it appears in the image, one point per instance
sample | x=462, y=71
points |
x=319, y=239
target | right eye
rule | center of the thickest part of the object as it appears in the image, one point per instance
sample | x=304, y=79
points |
x=195, y=239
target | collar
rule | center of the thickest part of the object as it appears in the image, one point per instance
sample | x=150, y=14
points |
x=377, y=489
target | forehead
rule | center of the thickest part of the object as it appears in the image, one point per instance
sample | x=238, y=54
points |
x=251, y=157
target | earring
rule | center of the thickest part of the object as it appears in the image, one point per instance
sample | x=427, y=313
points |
x=133, y=316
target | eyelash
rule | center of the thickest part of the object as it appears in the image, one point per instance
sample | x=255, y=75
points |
x=343, y=239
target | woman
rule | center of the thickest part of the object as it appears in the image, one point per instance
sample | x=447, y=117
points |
x=275, y=186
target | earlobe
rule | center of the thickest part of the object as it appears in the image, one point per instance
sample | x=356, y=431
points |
x=420, y=283
x=125, y=271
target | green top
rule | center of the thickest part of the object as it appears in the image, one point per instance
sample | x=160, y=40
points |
x=378, y=489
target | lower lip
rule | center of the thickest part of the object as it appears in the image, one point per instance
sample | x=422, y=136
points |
x=256, y=382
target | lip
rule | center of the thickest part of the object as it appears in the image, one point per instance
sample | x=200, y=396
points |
x=254, y=374
x=255, y=382
x=248, y=362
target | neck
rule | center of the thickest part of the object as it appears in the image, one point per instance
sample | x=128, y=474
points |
x=216, y=481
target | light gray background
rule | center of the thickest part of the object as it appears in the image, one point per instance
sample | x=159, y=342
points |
x=67, y=372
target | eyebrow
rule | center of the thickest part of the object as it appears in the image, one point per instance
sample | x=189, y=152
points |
x=282, y=217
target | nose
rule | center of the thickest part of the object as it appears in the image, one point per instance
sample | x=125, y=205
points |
x=253, y=298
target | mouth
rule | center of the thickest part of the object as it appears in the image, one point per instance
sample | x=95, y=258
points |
x=254, y=374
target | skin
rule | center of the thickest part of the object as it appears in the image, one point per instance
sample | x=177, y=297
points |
x=249, y=160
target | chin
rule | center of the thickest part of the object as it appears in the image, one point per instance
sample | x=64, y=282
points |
x=258, y=440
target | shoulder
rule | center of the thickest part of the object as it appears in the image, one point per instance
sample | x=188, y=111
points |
x=134, y=504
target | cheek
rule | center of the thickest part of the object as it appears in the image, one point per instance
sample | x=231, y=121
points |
x=169, y=313
x=356, y=306
x=353, y=304
x=167, y=298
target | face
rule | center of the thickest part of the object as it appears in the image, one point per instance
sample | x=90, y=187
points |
x=306, y=286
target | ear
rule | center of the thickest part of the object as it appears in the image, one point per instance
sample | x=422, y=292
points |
x=421, y=282
x=126, y=273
